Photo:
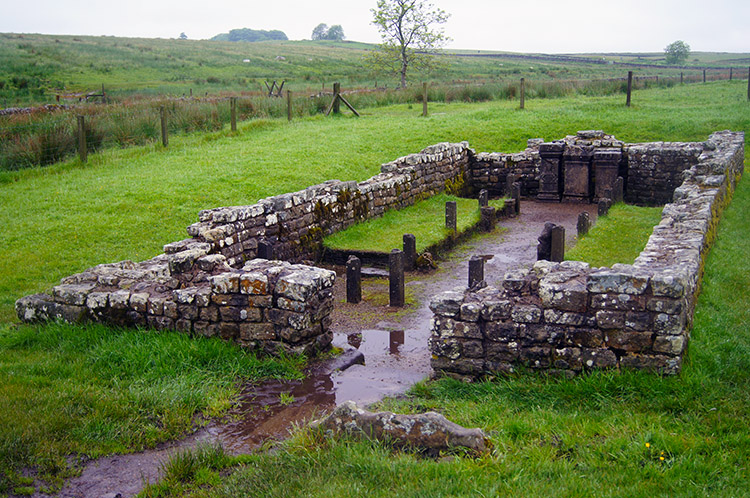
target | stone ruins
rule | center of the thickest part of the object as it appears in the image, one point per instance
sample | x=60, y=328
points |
x=239, y=275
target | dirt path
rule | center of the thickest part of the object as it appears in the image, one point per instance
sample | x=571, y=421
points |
x=394, y=344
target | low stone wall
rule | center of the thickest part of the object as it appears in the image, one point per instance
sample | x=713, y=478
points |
x=654, y=170
x=213, y=284
x=569, y=317
x=269, y=305
x=496, y=172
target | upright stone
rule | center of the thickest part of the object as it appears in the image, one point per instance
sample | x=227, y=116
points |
x=396, y=273
x=450, y=215
x=265, y=250
x=510, y=179
x=476, y=271
x=487, y=221
x=550, y=171
x=603, y=207
x=484, y=198
x=410, y=251
x=516, y=196
x=353, y=280
x=584, y=223
x=618, y=193
x=577, y=159
x=543, y=249
x=557, y=244
x=605, y=163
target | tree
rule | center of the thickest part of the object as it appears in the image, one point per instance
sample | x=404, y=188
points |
x=320, y=32
x=410, y=35
x=335, y=33
x=677, y=52
x=323, y=32
x=183, y=36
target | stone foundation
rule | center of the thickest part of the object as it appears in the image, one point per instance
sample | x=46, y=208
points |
x=569, y=317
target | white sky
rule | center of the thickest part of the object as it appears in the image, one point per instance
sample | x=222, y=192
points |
x=547, y=26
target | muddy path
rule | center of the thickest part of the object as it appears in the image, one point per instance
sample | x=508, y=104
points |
x=386, y=354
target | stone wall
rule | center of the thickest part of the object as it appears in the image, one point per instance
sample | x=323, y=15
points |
x=214, y=284
x=569, y=317
x=496, y=172
x=654, y=170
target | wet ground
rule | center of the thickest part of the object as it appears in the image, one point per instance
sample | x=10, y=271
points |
x=393, y=342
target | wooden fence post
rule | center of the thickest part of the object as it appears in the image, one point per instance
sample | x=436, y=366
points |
x=336, y=102
x=523, y=92
x=730, y=73
x=630, y=88
x=424, y=98
x=164, y=136
x=748, y=83
x=82, y=152
x=233, y=109
x=704, y=76
x=289, y=105
x=681, y=78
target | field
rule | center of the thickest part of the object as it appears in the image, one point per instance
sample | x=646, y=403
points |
x=551, y=436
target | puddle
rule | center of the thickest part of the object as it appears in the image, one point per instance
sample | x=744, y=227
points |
x=393, y=342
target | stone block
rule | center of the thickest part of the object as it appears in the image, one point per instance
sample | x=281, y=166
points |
x=665, y=305
x=97, y=300
x=637, y=320
x=526, y=314
x=139, y=301
x=257, y=332
x=120, y=299
x=470, y=312
x=564, y=318
x=618, y=302
x=501, y=351
x=630, y=341
x=609, y=281
x=665, y=324
x=447, y=304
x=668, y=285
x=225, y=283
x=610, y=319
x=598, y=358
x=495, y=309
x=670, y=344
x=254, y=283
x=536, y=356
x=72, y=294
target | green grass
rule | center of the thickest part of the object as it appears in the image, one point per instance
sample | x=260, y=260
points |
x=618, y=237
x=624, y=433
x=93, y=390
x=425, y=220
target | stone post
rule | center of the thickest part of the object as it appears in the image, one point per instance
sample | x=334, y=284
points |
x=265, y=250
x=605, y=164
x=557, y=244
x=450, y=215
x=550, y=171
x=484, y=198
x=603, y=207
x=353, y=280
x=410, y=251
x=516, y=195
x=487, y=219
x=584, y=224
x=396, y=277
x=476, y=271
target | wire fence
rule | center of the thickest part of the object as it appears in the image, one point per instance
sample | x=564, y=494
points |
x=48, y=134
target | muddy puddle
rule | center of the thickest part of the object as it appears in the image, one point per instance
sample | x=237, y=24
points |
x=386, y=353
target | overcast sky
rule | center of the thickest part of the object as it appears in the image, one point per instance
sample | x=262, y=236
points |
x=548, y=26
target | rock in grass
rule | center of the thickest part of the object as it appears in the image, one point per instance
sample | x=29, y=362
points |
x=430, y=432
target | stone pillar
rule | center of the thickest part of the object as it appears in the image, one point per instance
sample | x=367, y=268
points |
x=450, y=215
x=410, y=251
x=265, y=250
x=605, y=163
x=476, y=271
x=516, y=196
x=577, y=161
x=557, y=244
x=353, y=280
x=551, y=243
x=487, y=219
x=550, y=171
x=396, y=271
x=484, y=198
x=584, y=224
x=603, y=207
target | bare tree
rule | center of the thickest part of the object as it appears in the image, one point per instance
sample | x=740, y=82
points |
x=411, y=34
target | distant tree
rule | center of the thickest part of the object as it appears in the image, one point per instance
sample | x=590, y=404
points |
x=335, y=33
x=250, y=35
x=183, y=36
x=410, y=33
x=677, y=52
x=320, y=32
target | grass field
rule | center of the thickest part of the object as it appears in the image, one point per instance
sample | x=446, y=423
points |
x=125, y=204
x=34, y=68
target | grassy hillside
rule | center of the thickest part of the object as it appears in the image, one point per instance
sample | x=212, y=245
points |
x=34, y=68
